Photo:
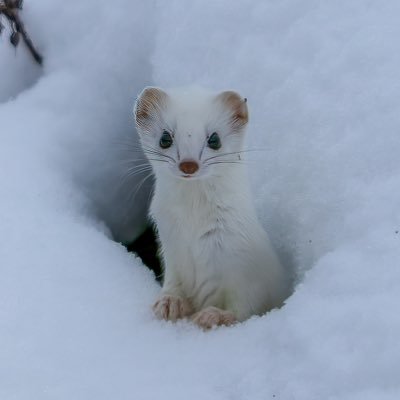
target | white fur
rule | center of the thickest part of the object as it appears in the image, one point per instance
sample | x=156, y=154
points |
x=215, y=252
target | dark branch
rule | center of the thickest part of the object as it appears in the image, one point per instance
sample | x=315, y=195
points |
x=10, y=9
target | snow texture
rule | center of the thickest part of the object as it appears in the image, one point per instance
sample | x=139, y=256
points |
x=323, y=84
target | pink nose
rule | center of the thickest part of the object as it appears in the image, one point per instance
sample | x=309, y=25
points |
x=188, y=167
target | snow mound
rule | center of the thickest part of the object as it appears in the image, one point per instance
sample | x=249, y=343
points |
x=322, y=79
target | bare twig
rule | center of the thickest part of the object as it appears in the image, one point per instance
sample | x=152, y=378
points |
x=10, y=9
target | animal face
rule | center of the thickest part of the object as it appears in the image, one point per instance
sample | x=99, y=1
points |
x=191, y=133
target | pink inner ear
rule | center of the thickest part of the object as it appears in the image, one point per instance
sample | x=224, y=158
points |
x=237, y=105
x=150, y=102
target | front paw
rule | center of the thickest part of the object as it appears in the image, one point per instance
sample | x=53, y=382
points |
x=172, y=308
x=213, y=316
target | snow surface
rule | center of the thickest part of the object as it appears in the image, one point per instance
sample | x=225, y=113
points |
x=322, y=79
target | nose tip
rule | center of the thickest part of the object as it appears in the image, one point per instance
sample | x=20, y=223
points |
x=189, y=167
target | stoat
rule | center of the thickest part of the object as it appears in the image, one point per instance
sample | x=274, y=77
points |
x=219, y=265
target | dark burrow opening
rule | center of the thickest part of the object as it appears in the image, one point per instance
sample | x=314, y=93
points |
x=146, y=247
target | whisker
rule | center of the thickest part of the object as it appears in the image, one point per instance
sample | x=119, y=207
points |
x=136, y=170
x=225, y=162
x=157, y=159
x=145, y=151
x=142, y=148
x=132, y=196
x=230, y=153
x=139, y=169
x=157, y=153
x=131, y=174
x=133, y=162
x=166, y=156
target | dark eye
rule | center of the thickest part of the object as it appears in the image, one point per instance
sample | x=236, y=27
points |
x=165, y=140
x=214, y=142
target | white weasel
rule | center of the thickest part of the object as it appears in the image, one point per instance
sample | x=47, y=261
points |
x=219, y=265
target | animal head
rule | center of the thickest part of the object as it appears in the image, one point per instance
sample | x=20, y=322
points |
x=191, y=133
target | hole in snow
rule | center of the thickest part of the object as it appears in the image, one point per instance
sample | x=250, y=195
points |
x=146, y=247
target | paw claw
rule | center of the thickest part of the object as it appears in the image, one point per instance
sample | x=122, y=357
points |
x=213, y=316
x=172, y=308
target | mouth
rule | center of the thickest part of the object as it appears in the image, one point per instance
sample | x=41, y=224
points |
x=189, y=177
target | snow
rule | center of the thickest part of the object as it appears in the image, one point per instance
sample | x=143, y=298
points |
x=322, y=80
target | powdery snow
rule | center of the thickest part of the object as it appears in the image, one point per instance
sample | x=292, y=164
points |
x=322, y=79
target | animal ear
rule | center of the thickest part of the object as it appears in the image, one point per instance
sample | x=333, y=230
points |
x=149, y=103
x=237, y=106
